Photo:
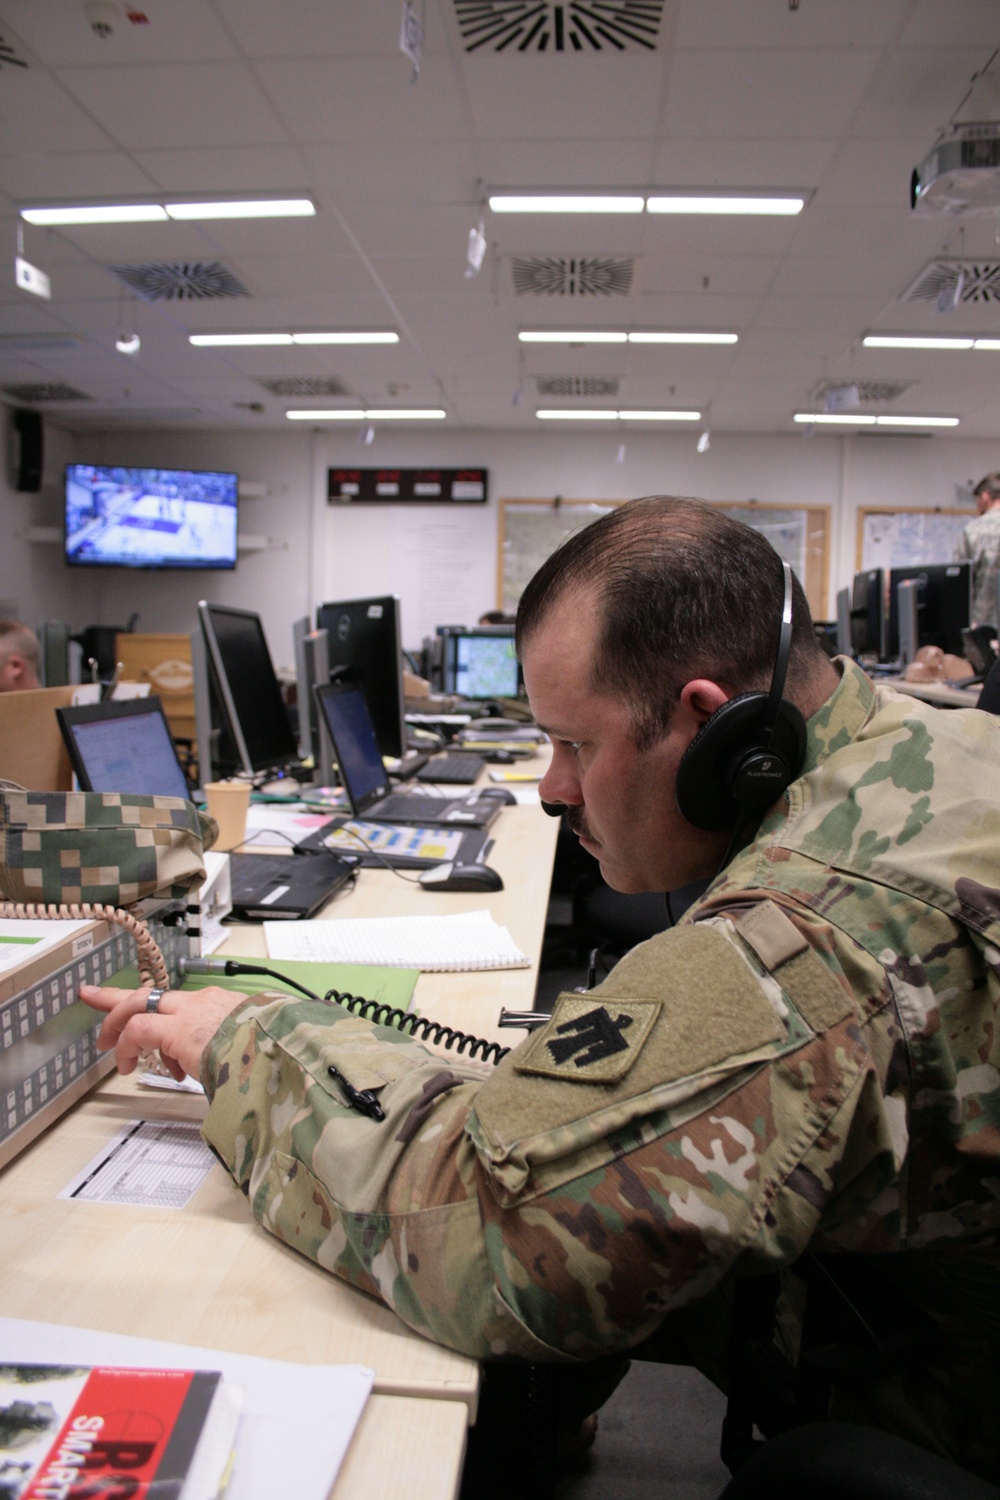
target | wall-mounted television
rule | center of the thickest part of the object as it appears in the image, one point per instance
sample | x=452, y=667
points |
x=150, y=518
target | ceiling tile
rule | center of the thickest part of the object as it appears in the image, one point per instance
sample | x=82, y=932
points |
x=178, y=105
x=766, y=94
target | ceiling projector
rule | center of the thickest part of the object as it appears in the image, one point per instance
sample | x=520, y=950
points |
x=961, y=172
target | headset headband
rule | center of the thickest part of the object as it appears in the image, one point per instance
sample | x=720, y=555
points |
x=780, y=663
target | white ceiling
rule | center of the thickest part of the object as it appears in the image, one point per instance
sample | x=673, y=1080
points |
x=838, y=97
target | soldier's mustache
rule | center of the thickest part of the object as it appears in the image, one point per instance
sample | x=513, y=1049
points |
x=578, y=823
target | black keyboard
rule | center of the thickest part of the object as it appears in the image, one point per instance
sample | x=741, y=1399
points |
x=457, y=769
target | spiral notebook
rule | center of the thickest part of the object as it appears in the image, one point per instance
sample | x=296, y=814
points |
x=468, y=940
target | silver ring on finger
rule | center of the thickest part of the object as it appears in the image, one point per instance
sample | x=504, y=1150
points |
x=153, y=1000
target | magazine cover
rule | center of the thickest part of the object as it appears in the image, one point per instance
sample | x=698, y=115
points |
x=69, y=1432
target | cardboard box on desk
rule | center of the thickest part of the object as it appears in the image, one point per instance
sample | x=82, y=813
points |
x=32, y=752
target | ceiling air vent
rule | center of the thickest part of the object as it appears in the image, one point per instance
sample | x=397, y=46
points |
x=577, y=385
x=870, y=392
x=546, y=26
x=305, y=385
x=198, y=280
x=955, y=283
x=44, y=391
x=572, y=275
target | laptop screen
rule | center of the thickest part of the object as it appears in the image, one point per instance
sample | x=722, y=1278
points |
x=354, y=744
x=123, y=747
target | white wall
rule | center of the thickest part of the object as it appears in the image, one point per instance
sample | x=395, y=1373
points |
x=322, y=552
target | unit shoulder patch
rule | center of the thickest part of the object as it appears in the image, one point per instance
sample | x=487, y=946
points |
x=589, y=1040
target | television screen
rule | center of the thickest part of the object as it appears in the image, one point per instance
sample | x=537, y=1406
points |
x=150, y=518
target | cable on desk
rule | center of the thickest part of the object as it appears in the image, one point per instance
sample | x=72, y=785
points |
x=421, y=1027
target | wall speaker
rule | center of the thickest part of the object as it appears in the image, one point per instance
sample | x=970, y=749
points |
x=26, y=449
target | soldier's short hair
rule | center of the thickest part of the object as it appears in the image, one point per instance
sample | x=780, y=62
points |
x=20, y=640
x=684, y=591
x=989, y=485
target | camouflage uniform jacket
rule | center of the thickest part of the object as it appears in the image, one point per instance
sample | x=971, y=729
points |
x=981, y=543
x=805, y=1061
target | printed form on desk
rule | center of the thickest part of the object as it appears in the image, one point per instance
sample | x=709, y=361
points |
x=468, y=940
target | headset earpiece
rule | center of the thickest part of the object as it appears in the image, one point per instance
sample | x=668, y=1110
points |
x=748, y=752
x=727, y=774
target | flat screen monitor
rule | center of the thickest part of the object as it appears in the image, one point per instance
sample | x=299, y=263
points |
x=364, y=645
x=944, y=604
x=867, y=613
x=480, y=663
x=246, y=687
x=150, y=518
x=123, y=747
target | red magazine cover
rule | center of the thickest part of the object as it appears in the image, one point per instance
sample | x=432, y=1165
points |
x=102, y=1433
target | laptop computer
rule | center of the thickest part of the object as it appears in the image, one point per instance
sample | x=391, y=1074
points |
x=123, y=746
x=366, y=781
x=273, y=887
x=126, y=747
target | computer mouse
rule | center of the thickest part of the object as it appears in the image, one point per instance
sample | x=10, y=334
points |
x=500, y=758
x=453, y=877
x=497, y=794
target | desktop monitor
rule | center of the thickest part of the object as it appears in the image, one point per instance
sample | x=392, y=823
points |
x=244, y=683
x=867, y=613
x=943, y=607
x=123, y=746
x=150, y=518
x=364, y=646
x=480, y=663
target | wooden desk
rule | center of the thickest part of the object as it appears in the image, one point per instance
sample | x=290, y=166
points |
x=209, y=1276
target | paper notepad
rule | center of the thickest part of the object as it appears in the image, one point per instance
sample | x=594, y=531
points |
x=469, y=940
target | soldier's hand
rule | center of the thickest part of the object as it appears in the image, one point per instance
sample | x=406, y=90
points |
x=179, y=1029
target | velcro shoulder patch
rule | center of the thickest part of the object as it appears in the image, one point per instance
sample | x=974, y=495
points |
x=796, y=966
x=587, y=1041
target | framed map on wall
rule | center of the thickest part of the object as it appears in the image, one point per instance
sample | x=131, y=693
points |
x=532, y=529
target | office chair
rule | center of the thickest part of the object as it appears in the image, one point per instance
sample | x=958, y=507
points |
x=989, y=697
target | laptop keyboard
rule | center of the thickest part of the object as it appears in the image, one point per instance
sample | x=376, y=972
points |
x=409, y=805
x=456, y=769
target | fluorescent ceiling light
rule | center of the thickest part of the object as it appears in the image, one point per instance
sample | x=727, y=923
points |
x=891, y=341
x=389, y=414
x=241, y=340
x=871, y=421
x=987, y=344
x=120, y=213
x=247, y=340
x=610, y=336
x=683, y=338
x=565, y=203
x=834, y=421
x=145, y=213
x=724, y=203
x=261, y=208
x=660, y=416
x=558, y=336
x=618, y=416
x=916, y=421
x=577, y=416
x=345, y=338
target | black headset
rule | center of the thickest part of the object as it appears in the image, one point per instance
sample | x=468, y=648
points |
x=746, y=754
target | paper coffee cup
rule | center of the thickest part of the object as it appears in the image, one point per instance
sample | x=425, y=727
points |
x=228, y=802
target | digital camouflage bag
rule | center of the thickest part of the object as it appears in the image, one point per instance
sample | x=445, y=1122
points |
x=76, y=848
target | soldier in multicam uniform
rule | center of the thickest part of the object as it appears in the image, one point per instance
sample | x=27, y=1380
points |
x=980, y=543
x=808, y=1061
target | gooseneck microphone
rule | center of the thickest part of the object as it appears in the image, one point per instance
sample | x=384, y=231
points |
x=554, y=809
